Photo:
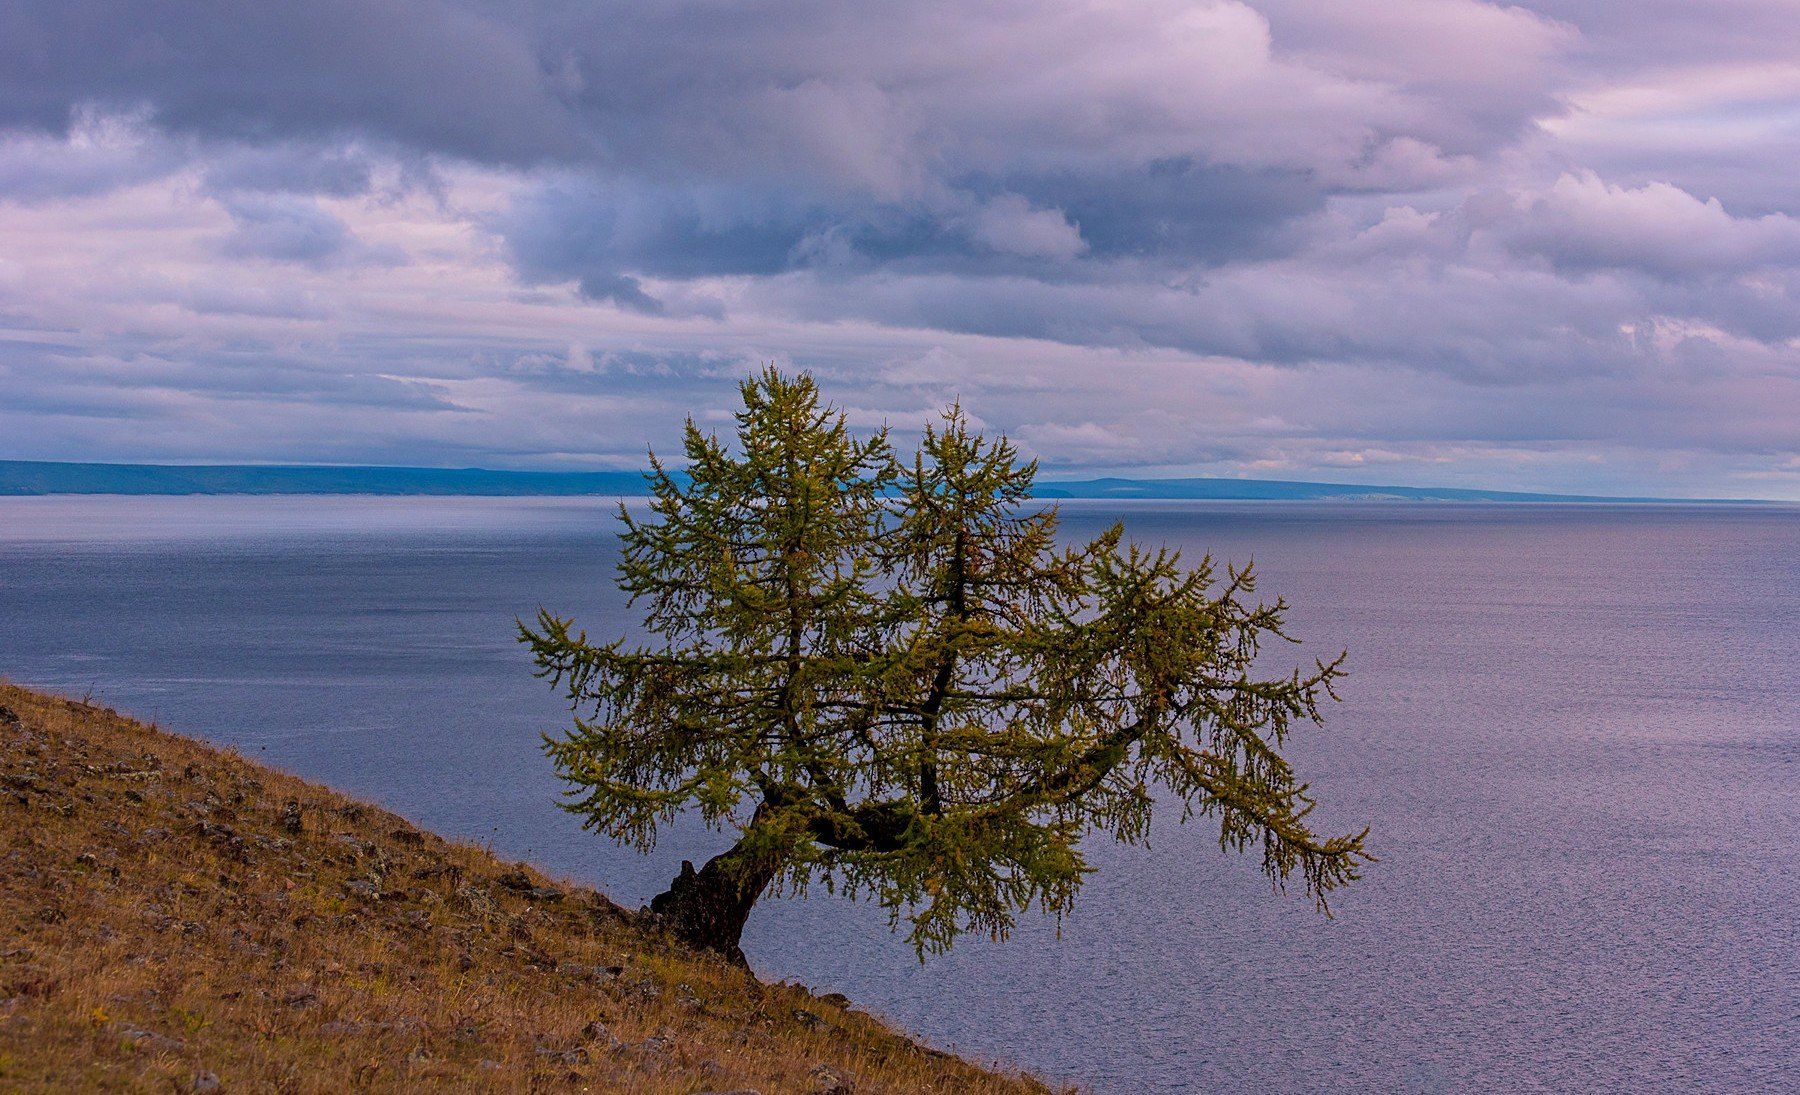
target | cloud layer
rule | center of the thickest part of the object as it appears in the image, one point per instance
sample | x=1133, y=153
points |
x=1553, y=245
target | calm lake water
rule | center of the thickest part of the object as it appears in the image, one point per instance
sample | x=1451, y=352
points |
x=1574, y=729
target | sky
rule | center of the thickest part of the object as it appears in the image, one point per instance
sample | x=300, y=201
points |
x=1550, y=246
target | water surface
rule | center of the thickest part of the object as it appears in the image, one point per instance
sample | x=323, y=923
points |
x=1574, y=730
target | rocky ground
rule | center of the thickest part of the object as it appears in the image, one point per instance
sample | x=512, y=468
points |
x=175, y=917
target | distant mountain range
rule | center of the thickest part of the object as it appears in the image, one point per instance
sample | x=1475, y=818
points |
x=45, y=477
x=25, y=477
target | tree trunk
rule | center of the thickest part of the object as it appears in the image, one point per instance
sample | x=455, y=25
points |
x=706, y=909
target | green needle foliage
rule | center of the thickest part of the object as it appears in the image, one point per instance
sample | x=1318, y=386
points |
x=890, y=676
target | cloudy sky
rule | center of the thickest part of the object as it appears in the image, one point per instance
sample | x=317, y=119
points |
x=1552, y=246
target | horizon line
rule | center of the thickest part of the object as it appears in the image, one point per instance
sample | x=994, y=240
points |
x=79, y=477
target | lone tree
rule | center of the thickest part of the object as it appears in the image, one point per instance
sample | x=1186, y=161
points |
x=888, y=675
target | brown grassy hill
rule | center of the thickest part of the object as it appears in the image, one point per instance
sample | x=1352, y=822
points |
x=175, y=917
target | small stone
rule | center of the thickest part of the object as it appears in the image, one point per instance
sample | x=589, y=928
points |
x=475, y=900
x=832, y=1081
x=206, y=1081
x=140, y=1038
x=591, y=973
x=450, y=872
x=649, y=1048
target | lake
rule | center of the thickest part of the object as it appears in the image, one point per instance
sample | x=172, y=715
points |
x=1574, y=729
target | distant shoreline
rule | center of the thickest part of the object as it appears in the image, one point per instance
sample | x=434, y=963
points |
x=28, y=478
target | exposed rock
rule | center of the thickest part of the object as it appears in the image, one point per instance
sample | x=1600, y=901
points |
x=363, y=888
x=223, y=836
x=576, y=1055
x=140, y=1038
x=519, y=882
x=832, y=1081
x=291, y=821
x=475, y=900
x=652, y=1048
x=206, y=1082
x=591, y=973
x=596, y=1031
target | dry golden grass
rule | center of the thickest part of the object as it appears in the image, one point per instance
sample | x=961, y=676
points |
x=168, y=921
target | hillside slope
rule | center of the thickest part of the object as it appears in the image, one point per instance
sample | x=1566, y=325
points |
x=175, y=917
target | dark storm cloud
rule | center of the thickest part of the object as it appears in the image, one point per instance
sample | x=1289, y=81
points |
x=438, y=76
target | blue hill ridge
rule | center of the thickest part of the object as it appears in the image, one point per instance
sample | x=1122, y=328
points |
x=39, y=477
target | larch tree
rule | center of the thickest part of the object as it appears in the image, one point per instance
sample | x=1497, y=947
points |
x=891, y=676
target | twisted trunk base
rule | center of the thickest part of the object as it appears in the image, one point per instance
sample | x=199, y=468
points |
x=707, y=909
